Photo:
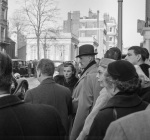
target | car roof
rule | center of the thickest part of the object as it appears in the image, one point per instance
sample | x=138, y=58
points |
x=17, y=60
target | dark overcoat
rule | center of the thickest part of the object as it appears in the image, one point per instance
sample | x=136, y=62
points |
x=118, y=106
x=50, y=93
x=23, y=121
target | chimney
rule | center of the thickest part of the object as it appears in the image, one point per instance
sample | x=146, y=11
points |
x=69, y=22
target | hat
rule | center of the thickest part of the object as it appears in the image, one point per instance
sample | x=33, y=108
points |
x=105, y=61
x=86, y=50
x=122, y=70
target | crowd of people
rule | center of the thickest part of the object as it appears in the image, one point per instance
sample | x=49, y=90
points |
x=98, y=99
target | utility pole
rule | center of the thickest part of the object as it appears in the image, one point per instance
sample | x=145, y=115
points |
x=147, y=12
x=120, y=24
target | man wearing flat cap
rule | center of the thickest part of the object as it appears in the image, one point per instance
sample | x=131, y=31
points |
x=87, y=61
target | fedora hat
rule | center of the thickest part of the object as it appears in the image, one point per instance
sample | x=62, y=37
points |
x=86, y=49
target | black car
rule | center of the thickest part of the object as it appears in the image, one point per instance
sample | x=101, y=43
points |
x=20, y=66
x=19, y=86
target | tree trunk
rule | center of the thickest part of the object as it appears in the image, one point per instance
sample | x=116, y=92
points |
x=38, y=47
x=45, y=48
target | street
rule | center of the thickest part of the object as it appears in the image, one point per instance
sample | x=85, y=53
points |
x=33, y=82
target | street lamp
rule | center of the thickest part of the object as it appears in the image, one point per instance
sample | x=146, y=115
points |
x=120, y=24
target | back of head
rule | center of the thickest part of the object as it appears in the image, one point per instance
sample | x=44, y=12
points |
x=138, y=50
x=46, y=66
x=113, y=53
x=124, y=75
x=5, y=72
x=145, y=53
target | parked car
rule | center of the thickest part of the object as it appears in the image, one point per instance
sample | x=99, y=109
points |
x=20, y=66
x=19, y=86
x=57, y=64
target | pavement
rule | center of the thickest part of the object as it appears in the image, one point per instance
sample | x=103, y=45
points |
x=33, y=82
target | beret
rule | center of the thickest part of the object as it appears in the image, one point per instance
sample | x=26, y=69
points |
x=122, y=70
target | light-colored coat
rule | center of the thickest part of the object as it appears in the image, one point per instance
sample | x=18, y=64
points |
x=78, y=88
x=87, y=99
x=132, y=127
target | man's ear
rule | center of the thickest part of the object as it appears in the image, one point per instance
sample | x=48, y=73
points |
x=139, y=57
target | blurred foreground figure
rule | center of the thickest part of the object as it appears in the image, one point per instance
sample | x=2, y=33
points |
x=19, y=120
x=132, y=127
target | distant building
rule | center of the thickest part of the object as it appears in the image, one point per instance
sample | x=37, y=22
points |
x=3, y=25
x=6, y=44
x=90, y=29
x=62, y=47
x=20, y=46
x=111, y=37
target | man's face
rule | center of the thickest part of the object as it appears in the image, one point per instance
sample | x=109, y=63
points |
x=68, y=72
x=84, y=61
x=132, y=57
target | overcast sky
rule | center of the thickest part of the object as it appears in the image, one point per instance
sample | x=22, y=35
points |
x=132, y=11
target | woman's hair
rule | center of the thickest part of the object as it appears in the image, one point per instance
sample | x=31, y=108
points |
x=125, y=86
x=113, y=53
x=5, y=72
x=69, y=64
x=46, y=66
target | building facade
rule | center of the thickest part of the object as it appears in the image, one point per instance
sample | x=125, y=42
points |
x=6, y=44
x=90, y=29
x=111, y=37
x=60, y=48
x=20, y=46
x=3, y=25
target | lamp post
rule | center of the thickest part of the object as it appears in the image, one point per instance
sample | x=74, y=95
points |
x=147, y=11
x=120, y=24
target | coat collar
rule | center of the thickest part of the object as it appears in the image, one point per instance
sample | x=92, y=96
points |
x=122, y=100
x=9, y=100
x=89, y=65
x=48, y=80
x=91, y=69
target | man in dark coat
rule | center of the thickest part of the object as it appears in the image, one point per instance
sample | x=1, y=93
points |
x=19, y=120
x=51, y=93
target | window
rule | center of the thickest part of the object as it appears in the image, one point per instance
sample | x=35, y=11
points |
x=110, y=29
x=110, y=38
x=33, y=52
x=2, y=33
x=82, y=34
x=3, y=13
x=48, y=52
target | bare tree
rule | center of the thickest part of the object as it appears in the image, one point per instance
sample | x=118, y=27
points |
x=41, y=15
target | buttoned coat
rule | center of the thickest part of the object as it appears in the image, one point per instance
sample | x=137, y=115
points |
x=132, y=127
x=118, y=106
x=78, y=88
x=23, y=121
x=87, y=99
x=50, y=93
